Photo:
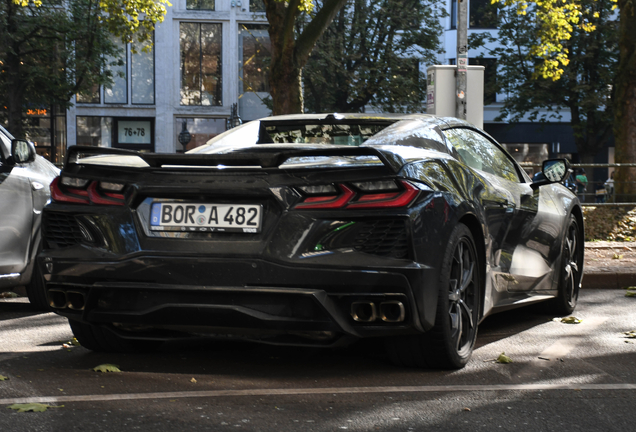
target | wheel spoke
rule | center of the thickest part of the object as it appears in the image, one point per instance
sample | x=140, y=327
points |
x=469, y=313
x=467, y=277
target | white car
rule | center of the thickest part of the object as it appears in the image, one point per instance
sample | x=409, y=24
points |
x=24, y=190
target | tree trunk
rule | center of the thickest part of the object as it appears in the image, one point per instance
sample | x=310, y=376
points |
x=625, y=103
x=290, y=53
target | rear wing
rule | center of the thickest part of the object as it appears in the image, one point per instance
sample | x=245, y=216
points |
x=264, y=157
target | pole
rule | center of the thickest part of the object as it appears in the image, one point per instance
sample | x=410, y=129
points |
x=462, y=58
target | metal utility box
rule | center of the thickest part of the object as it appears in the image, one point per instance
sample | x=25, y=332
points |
x=441, y=87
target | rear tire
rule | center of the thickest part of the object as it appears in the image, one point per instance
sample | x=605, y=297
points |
x=570, y=271
x=100, y=339
x=35, y=290
x=449, y=344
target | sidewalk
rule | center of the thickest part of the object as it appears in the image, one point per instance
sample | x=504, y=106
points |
x=602, y=271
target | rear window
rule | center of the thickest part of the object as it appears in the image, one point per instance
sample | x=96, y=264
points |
x=319, y=133
x=345, y=133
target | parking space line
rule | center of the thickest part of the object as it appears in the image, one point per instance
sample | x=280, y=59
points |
x=316, y=391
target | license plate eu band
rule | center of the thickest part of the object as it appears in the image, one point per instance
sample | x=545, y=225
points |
x=197, y=217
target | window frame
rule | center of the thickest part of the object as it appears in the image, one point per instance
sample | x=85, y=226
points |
x=495, y=144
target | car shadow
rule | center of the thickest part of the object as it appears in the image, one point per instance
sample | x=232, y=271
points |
x=16, y=308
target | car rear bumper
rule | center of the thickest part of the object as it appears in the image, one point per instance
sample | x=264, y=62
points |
x=170, y=296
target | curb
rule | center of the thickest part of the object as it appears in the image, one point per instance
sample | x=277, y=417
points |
x=608, y=280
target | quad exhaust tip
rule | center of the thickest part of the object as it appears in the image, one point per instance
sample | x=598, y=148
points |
x=62, y=299
x=391, y=311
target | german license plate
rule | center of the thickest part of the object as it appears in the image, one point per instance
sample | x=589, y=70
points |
x=171, y=216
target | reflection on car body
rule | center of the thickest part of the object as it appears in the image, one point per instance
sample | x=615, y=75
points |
x=407, y=228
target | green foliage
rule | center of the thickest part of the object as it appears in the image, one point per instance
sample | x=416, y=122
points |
x=585, y=84
x=555, y=22
x=51, y=49
x=128, y=18
x=106, y=368
x=370, y=54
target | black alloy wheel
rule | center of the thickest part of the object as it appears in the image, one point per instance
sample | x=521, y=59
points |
x=462, y=297
x=570, y=271
x=449, y=344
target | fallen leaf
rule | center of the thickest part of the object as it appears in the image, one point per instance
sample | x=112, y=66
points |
x=3, y=378
x=76, y=342
x=35, y=407
x=8, y=294
x=503, y=358
x=193, y=380
x=466, y=409
x=630, y=334
x=617, y=256
x=571, y=320
x=630, y=294
x=106, y=368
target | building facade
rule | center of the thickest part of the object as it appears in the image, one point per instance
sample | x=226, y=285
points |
x=207, y=56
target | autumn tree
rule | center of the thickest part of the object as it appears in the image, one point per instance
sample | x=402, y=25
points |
x=556, y=20
x=586, y=77
x=370, y=55
x=53, y=49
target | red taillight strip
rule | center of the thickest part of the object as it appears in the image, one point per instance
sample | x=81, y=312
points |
x=58, y=195
x=341, y=201
x=84, y=196
x=110, y=199
x=400, y=200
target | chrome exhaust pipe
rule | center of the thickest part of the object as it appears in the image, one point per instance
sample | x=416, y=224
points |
x=76, y=300
x=57, y=298
x=392, y=311
x=363, y=311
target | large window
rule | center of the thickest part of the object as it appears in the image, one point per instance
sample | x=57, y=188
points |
x=118, y=66
x=483, y=15
x=201, y=82
x=90, y=96
x=490, y=77
x=255, y=56
x=200, y=4
x=94, y=131
x=201, y=130
x=143, y=74
x=133, y=73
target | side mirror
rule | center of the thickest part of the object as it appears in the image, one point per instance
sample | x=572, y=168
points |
x=553, y=171
x=22, y=151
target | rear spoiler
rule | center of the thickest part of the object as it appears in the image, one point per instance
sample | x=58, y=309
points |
x=265, y=158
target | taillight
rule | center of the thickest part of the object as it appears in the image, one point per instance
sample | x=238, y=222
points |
x=82, y=191
x=361, y=195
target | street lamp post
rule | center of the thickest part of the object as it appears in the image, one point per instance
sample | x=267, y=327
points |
x=234, y=119
x=462, y=58
x=184, y=136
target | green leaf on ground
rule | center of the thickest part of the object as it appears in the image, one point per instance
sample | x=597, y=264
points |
x=3, y=378
x=630, y=293
x=35, y=407
x=106, y=368
x=8, y=294
x=630, y=334
x=569, y=320
x=617, y=256
x=503, y=358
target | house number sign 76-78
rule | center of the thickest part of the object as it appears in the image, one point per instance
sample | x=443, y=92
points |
x=134, y=131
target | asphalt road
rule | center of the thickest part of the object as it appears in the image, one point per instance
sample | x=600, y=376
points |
x=564, y=377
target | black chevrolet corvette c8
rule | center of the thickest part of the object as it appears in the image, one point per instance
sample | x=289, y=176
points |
x=310, y=230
